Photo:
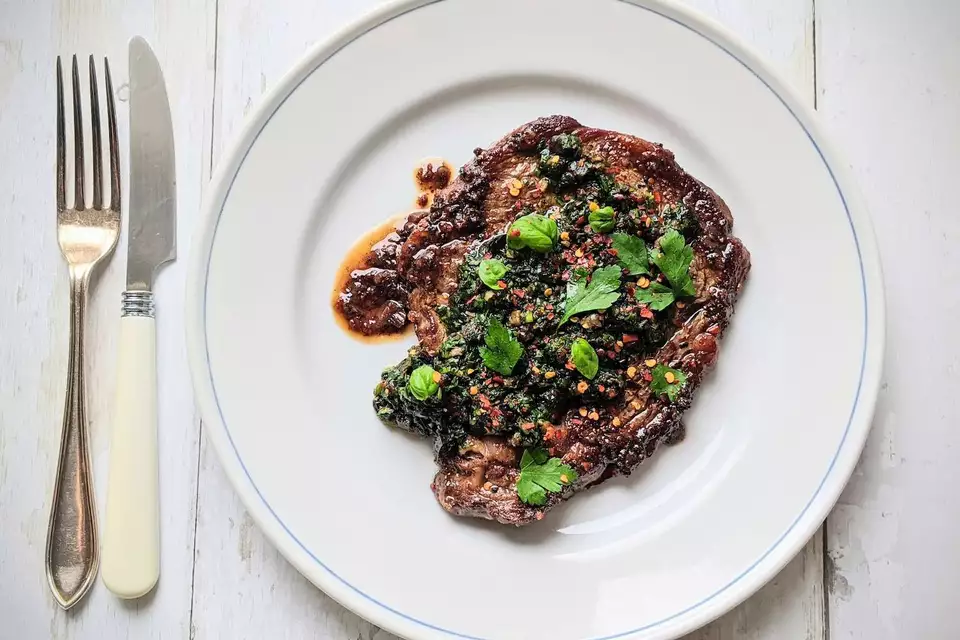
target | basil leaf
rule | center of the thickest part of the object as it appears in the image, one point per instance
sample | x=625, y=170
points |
x=584, y=358
x=602, y=220
x=673, y=258
x=491, y=272
x=503, y=351
x=601, y=292
x=539, y=474
x=631, y=253
x=656, y=296
x=534, y=231
x=671, y=384
x=424, y=382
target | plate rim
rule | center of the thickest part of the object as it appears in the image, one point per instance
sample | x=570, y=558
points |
x=696, y=615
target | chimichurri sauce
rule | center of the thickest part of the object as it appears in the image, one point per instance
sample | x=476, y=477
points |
x=530, y=300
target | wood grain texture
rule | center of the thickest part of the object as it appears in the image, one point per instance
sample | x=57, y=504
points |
x=34, y=299
x=888, y=76
x=243, y=587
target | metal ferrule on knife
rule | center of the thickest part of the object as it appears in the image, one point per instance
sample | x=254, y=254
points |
x=137, y=303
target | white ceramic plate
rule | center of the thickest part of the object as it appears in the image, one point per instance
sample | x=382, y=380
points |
x=286, y=395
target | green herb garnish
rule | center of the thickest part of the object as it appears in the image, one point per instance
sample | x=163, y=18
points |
x=584, y=358
x=424, y=382
x=534, y=231
x=601, y=292
x=667, y=381
x=631, y=253
x=540, y=473
x=657, y=296
x=491, y=272
x=673, y=258
x=603, y=220
x=503, y=351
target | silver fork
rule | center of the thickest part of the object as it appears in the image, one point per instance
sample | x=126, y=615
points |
x=86, y=235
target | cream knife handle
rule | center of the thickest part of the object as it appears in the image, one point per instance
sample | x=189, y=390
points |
x=130, y=563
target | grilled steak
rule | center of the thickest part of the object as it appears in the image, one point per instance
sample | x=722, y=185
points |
x=598, y=426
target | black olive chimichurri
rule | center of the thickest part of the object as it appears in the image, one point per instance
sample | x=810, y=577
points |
x=456, y=392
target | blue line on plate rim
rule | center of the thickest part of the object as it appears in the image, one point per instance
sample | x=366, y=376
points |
x=651, y=625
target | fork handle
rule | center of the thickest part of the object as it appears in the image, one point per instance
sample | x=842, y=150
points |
x=72, y=549
x=131, y=540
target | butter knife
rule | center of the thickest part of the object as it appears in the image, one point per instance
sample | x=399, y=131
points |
x=130, y=563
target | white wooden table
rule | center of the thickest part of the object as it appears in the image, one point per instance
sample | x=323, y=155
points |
x=885, y=76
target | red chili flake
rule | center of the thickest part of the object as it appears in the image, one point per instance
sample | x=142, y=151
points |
x=518, y=206
x=526, y=426
x=484, y=401
x=565, y=276
x=586, y=465
x=548, y=307
x=550, y=316
x=501, y=284
x=569, y=365
x=645, y=312
x=487, y=255
x=629, y=337
x=714, y=330
x=612, y=252
x=515, y=233
x=647, y=375
x=601, y=388
x=518, y=292
x=656, y=197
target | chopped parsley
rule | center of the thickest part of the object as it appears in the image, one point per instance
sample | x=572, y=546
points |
x=656, y=296
x=631, y=253
x=598, y=294
x=584, y=358
x=424, y=382
x=539, y=473
x=667, y=381
x=534, y=231
x=491, y=272
x=673, y=258
x=503, y=351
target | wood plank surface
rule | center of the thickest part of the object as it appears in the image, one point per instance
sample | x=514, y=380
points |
x=888, y=77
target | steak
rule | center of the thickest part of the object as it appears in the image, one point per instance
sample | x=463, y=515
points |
x=479, y=477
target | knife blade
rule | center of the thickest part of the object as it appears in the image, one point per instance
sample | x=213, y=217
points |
x=153, y=184
x=131, y=541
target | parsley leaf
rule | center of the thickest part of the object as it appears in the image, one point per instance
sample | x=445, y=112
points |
x=534, y=231
x=424, y=382
x=656, y=296
x=667, y=381
x=632, y=253
x=539, y=473
x=503, y=351
x=584, y=358
x=602, y=220
x=673, y=258
x=491, y=272
x=601, y=292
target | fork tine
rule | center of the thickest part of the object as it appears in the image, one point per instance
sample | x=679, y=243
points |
x=114, y=143
x=61, y=144
x=95, y=129
x=78, y=171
